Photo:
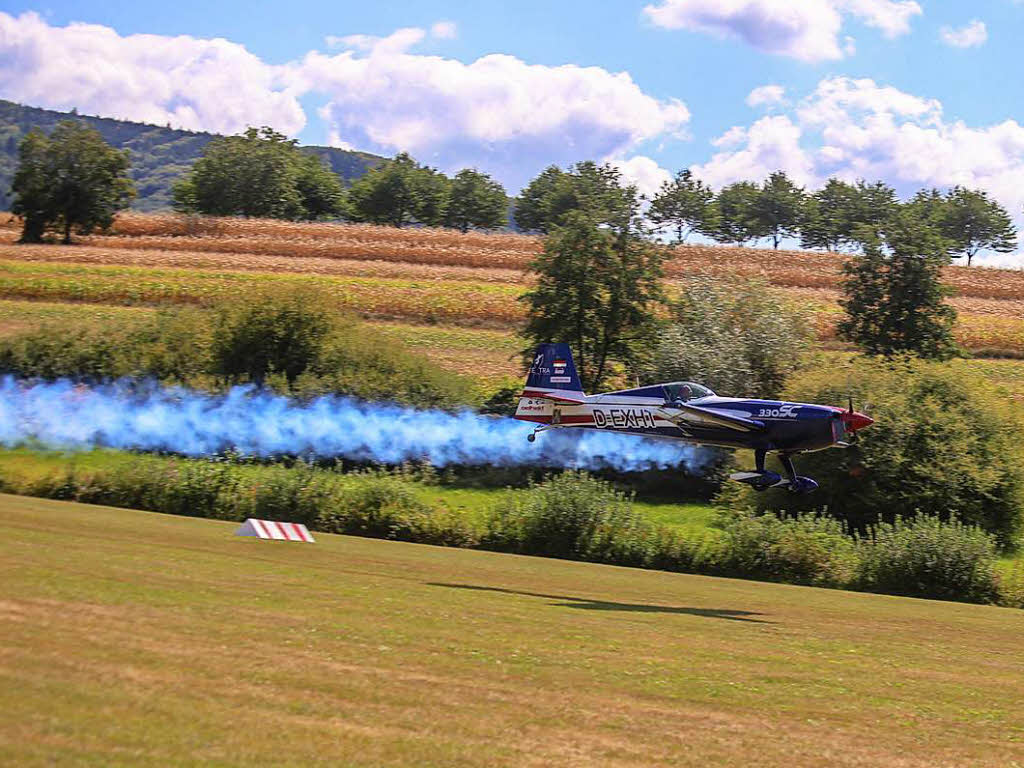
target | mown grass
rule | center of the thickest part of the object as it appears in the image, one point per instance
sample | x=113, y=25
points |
x=142, y=639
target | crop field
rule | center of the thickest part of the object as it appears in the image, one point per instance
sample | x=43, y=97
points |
x=422, y=275
x=134, y=638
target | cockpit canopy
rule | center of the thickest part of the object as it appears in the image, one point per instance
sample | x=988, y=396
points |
x=685, y=390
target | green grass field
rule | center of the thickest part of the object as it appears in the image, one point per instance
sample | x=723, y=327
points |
x=134, y=638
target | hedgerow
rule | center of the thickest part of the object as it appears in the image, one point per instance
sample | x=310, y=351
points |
x=571, y=515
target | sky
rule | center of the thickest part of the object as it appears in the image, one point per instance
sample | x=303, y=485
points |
x=910, y=92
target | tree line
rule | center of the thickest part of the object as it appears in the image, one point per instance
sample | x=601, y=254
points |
x=73, y=180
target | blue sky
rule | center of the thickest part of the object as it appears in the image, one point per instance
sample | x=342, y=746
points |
x=913, y=92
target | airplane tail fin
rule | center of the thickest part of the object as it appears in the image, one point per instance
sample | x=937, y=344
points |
x=553, y=369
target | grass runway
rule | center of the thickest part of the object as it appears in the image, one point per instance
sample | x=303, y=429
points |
x=131, y=638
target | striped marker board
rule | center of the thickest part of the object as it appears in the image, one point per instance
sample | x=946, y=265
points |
x=271, y=529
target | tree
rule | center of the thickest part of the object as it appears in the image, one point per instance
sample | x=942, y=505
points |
x=399, y=192
x=874, y=205
x=828, y=218
x=596, y=288
x=71, y=180
x=319, y=188
x=684, y=206
x=778, y=208
x=736, y=214
x=739, y=338
x=259, y=173
x=893, y=295
x=475, y=200
x=546, y=201
x=975, y=222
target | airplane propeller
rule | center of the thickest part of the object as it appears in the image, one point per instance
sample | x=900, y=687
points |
x=853, y=421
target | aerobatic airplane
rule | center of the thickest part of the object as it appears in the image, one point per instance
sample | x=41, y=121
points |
x=553, y=398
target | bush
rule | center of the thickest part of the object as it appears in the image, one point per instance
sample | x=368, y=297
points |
x=293, y=339
x=279, y=329
x=925, y=557
x=944, y=442
x=575, y=516
x=738, y=338
x=798, y=550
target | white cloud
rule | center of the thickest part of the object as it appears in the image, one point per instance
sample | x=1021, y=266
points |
x=766, y=95
x=973, y=34
x=212, y=85
x=444, y=30
x=643, y=172
x=498, y=112
x=857, y=129
x=803, y=29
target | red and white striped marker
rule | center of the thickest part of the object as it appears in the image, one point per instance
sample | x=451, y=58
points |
x=272, y=529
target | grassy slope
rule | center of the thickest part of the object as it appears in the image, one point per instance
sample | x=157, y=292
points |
x=142, y=639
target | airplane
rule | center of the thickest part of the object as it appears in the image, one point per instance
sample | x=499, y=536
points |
x=553, y=398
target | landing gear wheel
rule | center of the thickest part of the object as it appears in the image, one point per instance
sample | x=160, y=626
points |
x=531, y=437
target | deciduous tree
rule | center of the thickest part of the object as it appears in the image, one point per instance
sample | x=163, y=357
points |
x=975, y=222
x=778, y=208
x=475, y=200
x=596, y=288
x=71, y=180
x=736, y=214
x=894, y=299
x=683, y=206
x=399, y=192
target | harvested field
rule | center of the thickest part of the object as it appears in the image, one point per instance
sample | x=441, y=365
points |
x=424, y=275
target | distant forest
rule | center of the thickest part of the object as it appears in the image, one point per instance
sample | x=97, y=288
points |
x=160, y=156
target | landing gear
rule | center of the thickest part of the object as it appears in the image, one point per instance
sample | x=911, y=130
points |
x=761, y=479
x=531, y=437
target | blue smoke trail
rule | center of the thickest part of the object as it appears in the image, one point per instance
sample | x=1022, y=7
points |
x=143, y=416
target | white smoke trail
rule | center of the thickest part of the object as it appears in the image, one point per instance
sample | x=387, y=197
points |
x=143, y=416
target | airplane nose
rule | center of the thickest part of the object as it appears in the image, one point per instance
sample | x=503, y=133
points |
x=855, y=421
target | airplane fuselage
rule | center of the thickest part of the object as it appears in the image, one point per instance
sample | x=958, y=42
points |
x=789, y=427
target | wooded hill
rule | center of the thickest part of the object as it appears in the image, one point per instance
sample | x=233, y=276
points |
x=159, y=155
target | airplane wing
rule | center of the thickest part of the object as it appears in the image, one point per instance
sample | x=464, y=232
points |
x=558, y=397
x=695, y=414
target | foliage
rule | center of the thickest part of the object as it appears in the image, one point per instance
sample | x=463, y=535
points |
x=974, y=222
x=829, y=216
x=288, y=337
x=571, y=515
x=595, y=190
x=738, y=338
x=736, y=211
x=924, y=557
x=684, y=206
x=894, y=299
x=259, y=173
x=806, y=549
x=475, y=200
x=778, y=208
x=279, y=330
x=597, y=290
x=399, y=192
x=73, y=179
x=161, y=156
x=945, y=443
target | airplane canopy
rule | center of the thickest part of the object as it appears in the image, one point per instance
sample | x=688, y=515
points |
x=685, y=390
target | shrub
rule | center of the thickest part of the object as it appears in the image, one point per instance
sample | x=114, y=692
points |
x=944, y=441
x=571, y=515
x=738, y=338
x=925, y=557
x=384, y=505
x=805, y=549
x=279, y=329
